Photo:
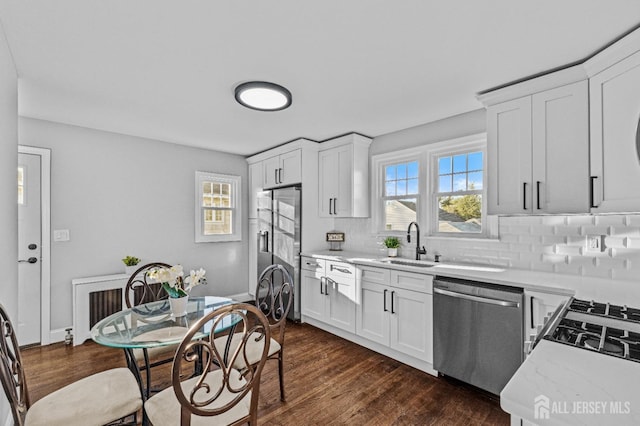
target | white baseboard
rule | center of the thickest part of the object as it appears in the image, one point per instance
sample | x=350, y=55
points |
x=57, y=335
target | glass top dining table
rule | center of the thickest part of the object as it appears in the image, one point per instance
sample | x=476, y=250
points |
x=152, y=324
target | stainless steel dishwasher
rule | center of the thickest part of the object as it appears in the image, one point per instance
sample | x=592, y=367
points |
x=478, y=331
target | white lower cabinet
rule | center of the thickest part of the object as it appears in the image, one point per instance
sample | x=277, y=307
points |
x=411, y=323
x=388, y=311
x=328, y=292
x=393, y=315
x=312, y=294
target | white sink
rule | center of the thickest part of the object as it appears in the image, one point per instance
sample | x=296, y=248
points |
x=407, y=262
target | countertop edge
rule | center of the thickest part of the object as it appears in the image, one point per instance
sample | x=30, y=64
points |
x=584, y=287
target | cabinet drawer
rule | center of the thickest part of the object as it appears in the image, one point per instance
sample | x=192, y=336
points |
x=375, y=275
x=340, y=270
x=412, y=281
x=312, y=264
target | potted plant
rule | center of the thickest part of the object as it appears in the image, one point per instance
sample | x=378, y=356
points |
x=392, y=244
x=130, y=264
x=177, y=285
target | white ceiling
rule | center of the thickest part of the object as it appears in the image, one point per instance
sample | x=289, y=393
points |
x=166, y=69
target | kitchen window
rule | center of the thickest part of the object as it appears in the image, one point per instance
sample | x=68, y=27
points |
x=458, y=188
x=396, y=190
x=400, y=199
x=217, y=207
x=439, y=185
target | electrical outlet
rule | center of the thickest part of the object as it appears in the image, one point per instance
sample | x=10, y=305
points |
x=595, y=243
x=60, y=235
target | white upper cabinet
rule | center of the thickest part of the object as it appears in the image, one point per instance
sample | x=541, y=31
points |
x=538, y=150
x=615, y=149
x=509, y=156
x=560, y=128
x=282, y=170
x=343, y=187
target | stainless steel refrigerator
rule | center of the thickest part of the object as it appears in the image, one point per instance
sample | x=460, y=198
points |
x=279, y=235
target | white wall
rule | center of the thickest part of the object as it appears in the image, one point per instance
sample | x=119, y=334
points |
x=469, y=123
x=121, y=195
x=8, y=189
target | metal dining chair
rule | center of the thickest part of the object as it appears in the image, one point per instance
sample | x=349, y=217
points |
x=274, y=298
x=221, y=394
x=140, y=290
x=95, y=400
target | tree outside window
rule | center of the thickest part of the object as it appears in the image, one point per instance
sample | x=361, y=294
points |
x=459, y=192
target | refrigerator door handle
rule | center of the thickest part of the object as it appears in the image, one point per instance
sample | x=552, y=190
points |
x=264, y=241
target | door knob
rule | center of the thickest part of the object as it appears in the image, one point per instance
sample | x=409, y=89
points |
x=30, y=260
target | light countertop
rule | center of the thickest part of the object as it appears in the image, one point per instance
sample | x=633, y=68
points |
x=589, y=288
x=574, y=386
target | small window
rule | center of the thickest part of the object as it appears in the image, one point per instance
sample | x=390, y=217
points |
x=21, y=186
x=458, y=195
x=217, y=207
x=400, y=196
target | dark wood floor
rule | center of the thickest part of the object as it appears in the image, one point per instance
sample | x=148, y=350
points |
x=329, y=381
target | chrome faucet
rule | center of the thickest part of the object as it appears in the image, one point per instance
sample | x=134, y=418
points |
x=419, y=251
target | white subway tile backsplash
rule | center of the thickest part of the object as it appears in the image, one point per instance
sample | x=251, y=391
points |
x=611, y=220
x=551, y=243
x=580, y=220
x=595, y=230
x=567, y=231
x=568, y=250
x=555, y=239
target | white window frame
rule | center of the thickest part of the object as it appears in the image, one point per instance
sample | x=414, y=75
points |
x=427, y=207
x=379, y=162
x=235, y=207
x=475, y=143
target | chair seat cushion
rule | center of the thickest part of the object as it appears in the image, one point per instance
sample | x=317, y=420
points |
x=254, y=348
x=164, y=408
x=95, y=400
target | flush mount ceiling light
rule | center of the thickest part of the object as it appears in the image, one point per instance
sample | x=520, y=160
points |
x=263, y=96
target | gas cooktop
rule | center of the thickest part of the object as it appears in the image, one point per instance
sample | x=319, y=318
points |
x=601, y=327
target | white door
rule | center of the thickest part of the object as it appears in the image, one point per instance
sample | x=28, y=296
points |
x=29, y=249
x=561, y=149
x=372, y=320
x=328, y=182
x=509, y=157
x=412, y=323
x=615, y=142
x=341, y=308
x=313, y=297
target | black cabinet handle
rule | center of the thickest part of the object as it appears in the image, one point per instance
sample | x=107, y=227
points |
x=321, y=282
x=275, y=175
x=538, y=194
x=524, y=195
x=279, y=175
x=330, y=205
x=384, y=302
x=531, y=311
x=591, y=191
x=326, y=286
x=335, y=204
x=392, y=293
